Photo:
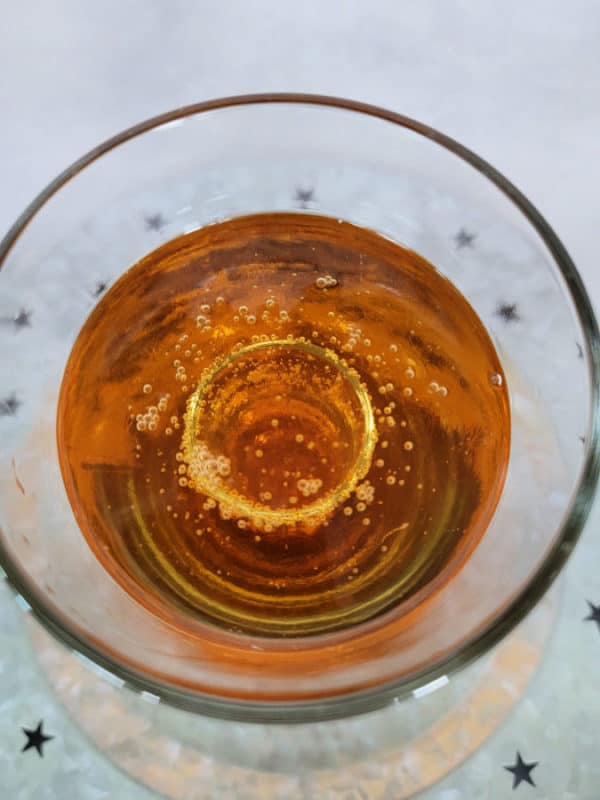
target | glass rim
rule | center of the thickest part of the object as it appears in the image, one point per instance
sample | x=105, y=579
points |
x=570, y=528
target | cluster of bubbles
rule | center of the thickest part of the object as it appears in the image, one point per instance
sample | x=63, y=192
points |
x=309, y=486
x=203, y=320
x=149, y=419
x=365, y=492
x=326, y=282
x=436, y=388
x=205, y=470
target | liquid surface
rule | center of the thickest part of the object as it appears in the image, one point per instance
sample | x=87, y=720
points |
x=283, y=425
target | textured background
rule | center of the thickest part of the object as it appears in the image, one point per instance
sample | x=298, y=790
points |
x=518, y=83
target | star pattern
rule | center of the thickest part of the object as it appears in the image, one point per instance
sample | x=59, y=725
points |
x=304, y=196
x=154, y=222
x=521, y=771
x=36, y=738
x=594, y=615
x=9, y=405
x=464, y=239
x=508, y=312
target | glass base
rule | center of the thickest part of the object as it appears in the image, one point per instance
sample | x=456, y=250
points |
x=392, y=753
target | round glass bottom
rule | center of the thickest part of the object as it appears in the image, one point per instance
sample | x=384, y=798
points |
x=392, y=753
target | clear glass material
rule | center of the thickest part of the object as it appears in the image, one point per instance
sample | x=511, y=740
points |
x=390, y=754
x=374, y=168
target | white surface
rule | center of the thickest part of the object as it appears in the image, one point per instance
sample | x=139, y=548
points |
x=518, y=82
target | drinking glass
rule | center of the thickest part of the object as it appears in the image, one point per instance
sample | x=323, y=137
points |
x=279, y=152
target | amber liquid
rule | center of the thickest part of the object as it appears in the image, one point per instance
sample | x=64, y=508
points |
x=283, y=424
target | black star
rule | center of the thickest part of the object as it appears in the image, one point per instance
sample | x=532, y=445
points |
x=100, y=288
x=20, y=320
x=594, y=615
x=579, y=350
x=304, y=196
x=154, y=222
x=521, y=771
x=36, y=738
x=508, y=312
x=23, y=319
x=9, y=406
x=464, y=239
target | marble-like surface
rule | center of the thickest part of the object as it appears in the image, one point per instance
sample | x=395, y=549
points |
x=554, y=723
x=518, y=83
